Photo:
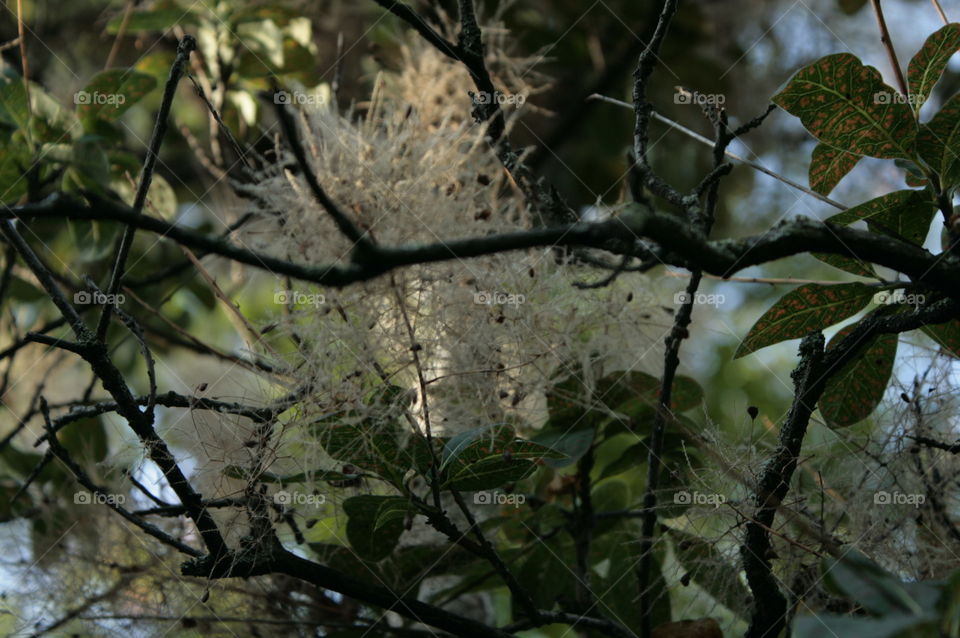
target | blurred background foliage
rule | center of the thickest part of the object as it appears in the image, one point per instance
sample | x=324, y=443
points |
x=740, y=49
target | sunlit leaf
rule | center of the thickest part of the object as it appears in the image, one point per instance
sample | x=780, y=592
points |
x=154, y=20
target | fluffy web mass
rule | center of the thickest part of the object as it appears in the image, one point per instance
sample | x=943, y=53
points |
x=469, y=343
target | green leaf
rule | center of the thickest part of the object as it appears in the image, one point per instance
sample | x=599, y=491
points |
x=110, y=93
x=86, y=440
x=24, y=291
x=632, y=393
x=902, y=214
x=877, y=590
x=369, y=445
x=13, y=100
x=928, y=64
x=263, y=40
x=89, y=168
x=947, y=336
x=854, y=391
x=847, y=264
x=938, y=142
x=828, y=166
x=94, y=240
x=801, y=311
x=330, y=476
x=611, y=495
x=20, y=463
x=572, y=445
x=161, y=199
x=14, y=161
x=711, y=570
x=495, y=458
x=545, y=572
x=889, y=626
x=846, y=105
x=628, y=459
x=913, y=176
x=374, y=524
x=487, y=474
x=616, y=556
x=154, y=20
x=459, y=443
x=279, y=15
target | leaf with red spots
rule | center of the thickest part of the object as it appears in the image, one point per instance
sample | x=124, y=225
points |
x=938, y=142
x=853, y=392
x=846, y=105
x=828, y=166
x=928, y=64
x=847, y=264
x=110, y=93
x=946, y=335
x=801, y=311
x=902, y=214
x=913, y=176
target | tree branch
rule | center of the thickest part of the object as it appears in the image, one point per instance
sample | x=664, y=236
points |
x=684, y=247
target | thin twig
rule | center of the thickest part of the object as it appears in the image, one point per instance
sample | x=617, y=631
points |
x=24, y=65
x=362, y=242
x=115, y=49
x=943, y=16
x=888, y=45
x=730, y=154
x=186, y=46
